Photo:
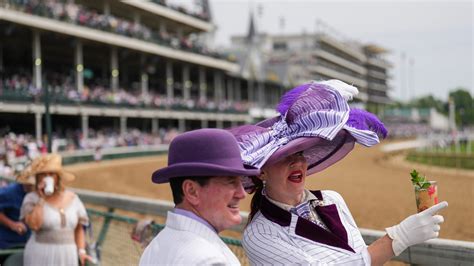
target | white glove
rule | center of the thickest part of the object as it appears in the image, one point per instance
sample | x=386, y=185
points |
x=416, y=228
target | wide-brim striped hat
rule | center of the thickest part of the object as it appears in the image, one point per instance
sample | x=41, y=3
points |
x=314, y=118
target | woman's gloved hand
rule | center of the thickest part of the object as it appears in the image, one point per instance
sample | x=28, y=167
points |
x=416, y=228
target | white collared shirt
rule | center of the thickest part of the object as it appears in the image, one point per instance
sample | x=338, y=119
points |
x=307, y=196
x=185, y=241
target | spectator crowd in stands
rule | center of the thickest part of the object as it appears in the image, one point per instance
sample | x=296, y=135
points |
x=408, y=130
x=84, y=16
x=17, y=149
x=63, y=90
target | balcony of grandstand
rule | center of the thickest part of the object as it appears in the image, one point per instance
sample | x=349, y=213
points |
x=19, y=87
x=83, y=15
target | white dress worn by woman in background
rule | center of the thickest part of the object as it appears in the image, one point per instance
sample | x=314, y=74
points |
x=54, y=243
x=55, y=215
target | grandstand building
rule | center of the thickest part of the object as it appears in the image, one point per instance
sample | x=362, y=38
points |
x=296, y=58
x=118, y=64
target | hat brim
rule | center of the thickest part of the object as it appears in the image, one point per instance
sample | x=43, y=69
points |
x=26, y=180
x=64, y=175
x=320, y=153
x=199, y=169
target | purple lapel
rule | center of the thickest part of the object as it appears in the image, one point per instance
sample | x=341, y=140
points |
x=330, y=217
x=274, y=213
x=309, y=230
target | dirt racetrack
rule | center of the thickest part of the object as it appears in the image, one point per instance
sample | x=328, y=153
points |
x=378, y=191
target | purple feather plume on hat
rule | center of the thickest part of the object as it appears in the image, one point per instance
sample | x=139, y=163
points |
x=364, y=120
x=290, y=97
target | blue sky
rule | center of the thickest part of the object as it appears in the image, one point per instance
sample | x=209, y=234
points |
x=437, y=36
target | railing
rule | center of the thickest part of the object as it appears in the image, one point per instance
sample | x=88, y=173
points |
x=82, y=156
x=449, y=160
x=203, y=17
x=432, y=252
x=109, y=23
x=426, y=151
x=23, y=96
x=114, y=229
x=116, y=244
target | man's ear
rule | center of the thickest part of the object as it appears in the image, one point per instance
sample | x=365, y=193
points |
x=191, y=191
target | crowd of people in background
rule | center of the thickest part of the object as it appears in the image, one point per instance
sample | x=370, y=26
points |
x=18, y=149
x=96, y=92
x=19, y=153
x=408, y=130
x=85, y=16
x=25, y=158
x=109, y=138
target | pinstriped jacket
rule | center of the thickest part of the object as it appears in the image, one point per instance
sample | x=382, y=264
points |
x=185, y=241
x=278, y=237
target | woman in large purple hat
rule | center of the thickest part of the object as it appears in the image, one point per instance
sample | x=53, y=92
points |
x=289, y=224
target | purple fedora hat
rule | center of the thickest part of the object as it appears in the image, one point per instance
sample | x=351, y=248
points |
x=203, y=152
x=314, y=118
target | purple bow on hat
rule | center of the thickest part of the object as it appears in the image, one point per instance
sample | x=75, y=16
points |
x=314, y=118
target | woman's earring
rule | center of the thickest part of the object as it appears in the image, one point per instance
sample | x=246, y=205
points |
x=264, y=192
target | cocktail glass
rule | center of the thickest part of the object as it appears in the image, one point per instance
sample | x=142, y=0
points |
x=426, y=197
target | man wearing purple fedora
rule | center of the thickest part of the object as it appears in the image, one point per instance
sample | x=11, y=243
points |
x=204, y=171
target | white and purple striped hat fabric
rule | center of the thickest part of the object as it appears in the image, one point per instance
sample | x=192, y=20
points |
x=314, y=118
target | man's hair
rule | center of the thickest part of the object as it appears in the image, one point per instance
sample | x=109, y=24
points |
x=176, y=184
